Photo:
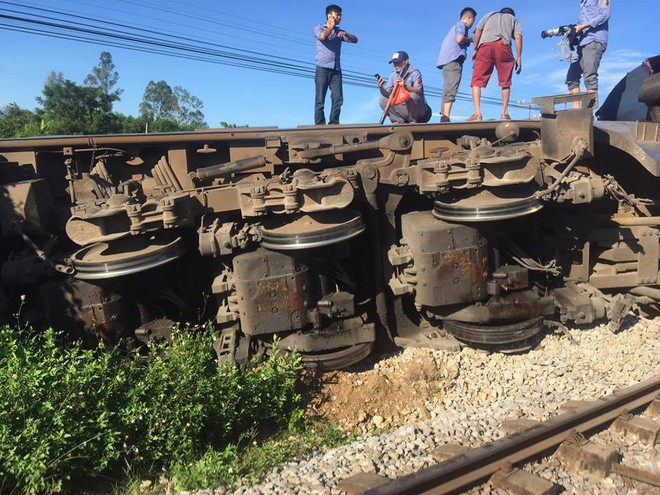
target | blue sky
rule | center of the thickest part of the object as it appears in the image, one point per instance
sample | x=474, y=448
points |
x=281, y=29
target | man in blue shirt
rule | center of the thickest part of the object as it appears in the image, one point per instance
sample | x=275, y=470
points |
x=414, y=110
x=452, y=55
x=592, y=29
x=328, y=69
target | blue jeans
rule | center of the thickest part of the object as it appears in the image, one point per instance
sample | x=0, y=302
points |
x=324, y=79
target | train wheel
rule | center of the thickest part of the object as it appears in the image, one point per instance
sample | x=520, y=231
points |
x=331, y=360
x=513, y=337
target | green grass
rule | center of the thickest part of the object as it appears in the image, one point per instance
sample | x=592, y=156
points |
x=72, y=417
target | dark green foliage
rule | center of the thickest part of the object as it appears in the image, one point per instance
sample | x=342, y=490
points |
x=18, y=122
x=68, y=414
x=163, y=106
x=57, y=411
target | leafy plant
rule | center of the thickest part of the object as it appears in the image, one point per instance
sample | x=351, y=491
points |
x=56, y=411
x=68, y=414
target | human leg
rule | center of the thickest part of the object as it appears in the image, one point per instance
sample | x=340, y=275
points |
x=451, y=75
x=446, y=111
x=336, y=90
x=322, y=81
x=505, y=64
x=506, y=94
x=483, y=68
x=590, y=62
x=400, y=114
x=574, y=73
x=573, y=76
x=415, y=108
x=476, y=100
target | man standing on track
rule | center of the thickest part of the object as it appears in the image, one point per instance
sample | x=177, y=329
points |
x=492, y=40
x=328, y=69
x=592, y=29
x=450, y=60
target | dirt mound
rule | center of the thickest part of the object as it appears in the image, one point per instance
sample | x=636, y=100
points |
x=388, y=393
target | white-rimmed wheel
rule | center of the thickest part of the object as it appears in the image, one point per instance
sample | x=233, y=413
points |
x=313, y=230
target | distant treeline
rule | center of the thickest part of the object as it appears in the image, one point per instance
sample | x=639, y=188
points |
x=67, y=108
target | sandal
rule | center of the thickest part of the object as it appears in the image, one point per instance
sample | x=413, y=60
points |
x=474, y=117
x=506, y=117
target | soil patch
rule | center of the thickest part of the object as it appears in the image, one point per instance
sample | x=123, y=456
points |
x=393, y=391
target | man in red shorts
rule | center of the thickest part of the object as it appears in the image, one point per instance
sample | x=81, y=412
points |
x=492, y=40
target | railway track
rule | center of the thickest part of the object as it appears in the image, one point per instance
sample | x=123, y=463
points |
x=568, y=433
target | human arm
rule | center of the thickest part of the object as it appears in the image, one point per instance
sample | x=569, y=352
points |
x=477, y=38
x=463, y=40
x=462, y=37
x=351, y=38
x=519, y=46
x=323, y=34
x=601, y=16
x=386, y=88
x=414, y=83
x=381, y=87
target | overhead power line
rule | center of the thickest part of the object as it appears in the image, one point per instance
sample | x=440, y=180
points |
x=63, y=25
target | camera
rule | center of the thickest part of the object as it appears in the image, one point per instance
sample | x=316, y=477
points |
x=558, y=31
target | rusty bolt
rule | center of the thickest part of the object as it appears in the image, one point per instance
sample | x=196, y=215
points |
x=506, y=466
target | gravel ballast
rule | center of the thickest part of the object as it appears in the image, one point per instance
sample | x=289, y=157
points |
x=478, y=393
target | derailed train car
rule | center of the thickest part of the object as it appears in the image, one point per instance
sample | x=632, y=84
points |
x=338, y=237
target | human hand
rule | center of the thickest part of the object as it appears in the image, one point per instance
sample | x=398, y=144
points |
x=380, y=81
x=474, y=55
x=518, y=66
x=341, y=34
x=332, y=21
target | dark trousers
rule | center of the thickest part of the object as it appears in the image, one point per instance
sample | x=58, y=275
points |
x=324, y=79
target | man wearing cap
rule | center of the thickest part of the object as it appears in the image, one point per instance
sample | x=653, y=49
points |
x=329, y=38
x=414, y=109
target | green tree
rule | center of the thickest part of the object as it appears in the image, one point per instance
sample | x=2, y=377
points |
x=167, y=109
x=72, y=109
x=105, y=77
x=158, y=102
x=18, y=122
x=189, y=110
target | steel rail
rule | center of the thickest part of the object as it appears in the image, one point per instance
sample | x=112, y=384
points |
x=474, y=466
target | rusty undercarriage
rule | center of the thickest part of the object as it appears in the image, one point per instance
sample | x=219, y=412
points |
x=334, y=238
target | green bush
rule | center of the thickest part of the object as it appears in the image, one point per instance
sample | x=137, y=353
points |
x=68, y=414
x=57, y=411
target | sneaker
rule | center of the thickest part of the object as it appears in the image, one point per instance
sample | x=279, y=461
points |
x=474, y=117
x=444, y=118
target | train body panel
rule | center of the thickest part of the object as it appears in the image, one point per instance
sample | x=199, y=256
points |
x=334, y=238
